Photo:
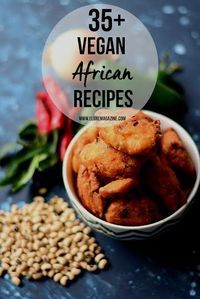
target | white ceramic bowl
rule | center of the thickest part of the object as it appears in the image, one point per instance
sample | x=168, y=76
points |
x=132, y=232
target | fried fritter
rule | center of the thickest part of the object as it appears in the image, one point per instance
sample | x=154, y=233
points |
x=137, y=135
x=176, y=153
x=108, y=162
x=117, y=187
x=88, y=187
x=88, y=136
x=164, y=183
x=133, y=210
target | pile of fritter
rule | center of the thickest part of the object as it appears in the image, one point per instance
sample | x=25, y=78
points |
x=131, y=173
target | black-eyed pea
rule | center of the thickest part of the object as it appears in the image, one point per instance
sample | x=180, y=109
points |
x=57, y=266
x=68, y=257
x=97, y=250
x=57, y=277
x=51, y=255
x=30, y=261
x=45, y=258
x=63, y=219
x=43, y=250
x=29, y=246
x=60, y=244
x=18, y=252
x=31, y=254
x=71, y=217
x=61, y=235
x=23, y=257
x=23, y=243
x=53, y=242
x=45, y=241
x=74, y=264
x=68, y=224
x=16, y=280
x=76, y=229
x=92, y=247
x=37, y=259
x=5, y=260
x=87, y=230
x=99, y=257
x=4, y=236
x=78, y=237
x=53, y=249
x=56, y=226
x=36, y=245
x=43, y=229
x=67, y=241
x=60, y=252
x=53, y=234
x=36, y=219
x=102, y=264
x=37, y=276
x=5, y=266
x=83, y=264
x=86, y=238
x=9, y=242
x=70, y=275
x=74, y=251
x=51, y=273
x=22, y=267
x=53, y=261
x=91, y=268
x=91, y=240
x=38, y=199
x=63, y=280
x=83, y=248
x=25, y=250
x=75, y=271
x=78, y=257
x=36, y=266
x=88, y=256
x=46, y=266
x=61, y=260
x=7, y=254
x=45, y=273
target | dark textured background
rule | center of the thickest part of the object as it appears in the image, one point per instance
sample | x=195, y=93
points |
x=168, y=268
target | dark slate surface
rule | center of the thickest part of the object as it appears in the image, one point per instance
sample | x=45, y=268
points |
x=167, y=268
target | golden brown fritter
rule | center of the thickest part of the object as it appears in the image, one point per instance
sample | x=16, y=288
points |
x=88, y=189
x=117, y=187
x=133, y=210
x=137, y=135
x=176, y=153
x=108, y=162
x=114, y=162
x=88, y=136
x=162, y=181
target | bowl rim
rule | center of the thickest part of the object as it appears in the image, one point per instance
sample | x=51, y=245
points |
x=132, y=227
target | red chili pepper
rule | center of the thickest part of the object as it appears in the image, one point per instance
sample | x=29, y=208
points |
x=66, y=138
x=42, y=117
x=57, y=117
x=56, y=93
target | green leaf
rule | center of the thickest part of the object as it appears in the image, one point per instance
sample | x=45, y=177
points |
x=53, y=142
x=49, y=162
x=28, y=174
x=28, y=128
x=29, y=135
x=16, y=163
x=165, y=97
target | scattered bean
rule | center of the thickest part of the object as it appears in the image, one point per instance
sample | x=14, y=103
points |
x=45, y=239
